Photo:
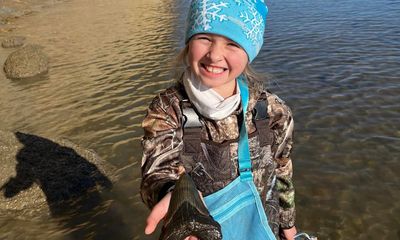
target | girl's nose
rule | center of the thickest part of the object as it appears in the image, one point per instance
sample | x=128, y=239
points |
x=215, y=53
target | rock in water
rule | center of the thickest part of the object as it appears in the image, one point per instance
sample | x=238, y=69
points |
x=53, y=177
x=28, y=61
x=12, y=42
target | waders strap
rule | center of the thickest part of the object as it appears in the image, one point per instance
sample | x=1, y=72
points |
x=190, y=117
x=191, y=128
x=261, y=120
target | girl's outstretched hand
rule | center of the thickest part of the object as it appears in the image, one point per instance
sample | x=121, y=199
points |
x=157, y=213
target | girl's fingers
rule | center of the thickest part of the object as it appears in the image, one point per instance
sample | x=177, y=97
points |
x=151, y=224
x=191, y=238
x=157, y=213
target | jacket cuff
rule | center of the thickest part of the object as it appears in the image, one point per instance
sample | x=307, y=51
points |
x=287, y=218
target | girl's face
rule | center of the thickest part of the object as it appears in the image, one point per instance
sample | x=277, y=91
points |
x=216, y=61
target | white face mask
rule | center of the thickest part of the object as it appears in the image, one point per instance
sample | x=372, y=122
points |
x=207, y=101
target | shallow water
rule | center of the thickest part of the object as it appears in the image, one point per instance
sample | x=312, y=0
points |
x=334, y=62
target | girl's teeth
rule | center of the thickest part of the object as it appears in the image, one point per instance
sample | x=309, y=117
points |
x=214, y=69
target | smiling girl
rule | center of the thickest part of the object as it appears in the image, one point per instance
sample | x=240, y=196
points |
x=222, y=127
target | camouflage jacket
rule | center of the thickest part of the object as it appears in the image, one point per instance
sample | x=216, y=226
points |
x=163, y=152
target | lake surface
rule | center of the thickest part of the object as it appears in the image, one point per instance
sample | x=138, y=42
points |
x=336, y=63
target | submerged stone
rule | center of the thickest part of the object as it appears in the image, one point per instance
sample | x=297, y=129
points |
x=13, y=42
x=28, y=61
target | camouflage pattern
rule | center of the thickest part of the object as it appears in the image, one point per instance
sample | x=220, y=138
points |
x=165, y=153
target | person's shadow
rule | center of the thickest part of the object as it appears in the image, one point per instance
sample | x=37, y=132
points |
x=73, y=186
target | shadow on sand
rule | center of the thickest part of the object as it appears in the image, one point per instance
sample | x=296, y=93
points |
x=77, y=192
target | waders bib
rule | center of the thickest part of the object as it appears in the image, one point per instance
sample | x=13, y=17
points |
x=237, y=207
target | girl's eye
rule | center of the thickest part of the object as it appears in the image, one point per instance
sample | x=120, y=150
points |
x=203, y=38
x=233, y=45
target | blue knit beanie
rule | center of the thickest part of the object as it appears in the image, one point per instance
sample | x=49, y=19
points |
x=242, y=21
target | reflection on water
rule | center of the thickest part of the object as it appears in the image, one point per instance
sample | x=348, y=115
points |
x=335, y=63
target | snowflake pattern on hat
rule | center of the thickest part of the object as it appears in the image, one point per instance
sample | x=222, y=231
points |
x=240, y=1
x=208, y=12
x=254, y=23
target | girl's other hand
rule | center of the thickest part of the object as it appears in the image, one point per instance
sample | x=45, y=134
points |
x=290, y=233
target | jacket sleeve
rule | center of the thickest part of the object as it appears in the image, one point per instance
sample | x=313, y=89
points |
x=282, y=125
x=162, y=144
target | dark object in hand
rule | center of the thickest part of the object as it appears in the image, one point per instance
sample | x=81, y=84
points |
x=187, y=215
